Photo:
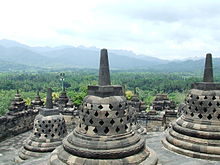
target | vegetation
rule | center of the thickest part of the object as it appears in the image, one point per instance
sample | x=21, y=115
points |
x=147, y=84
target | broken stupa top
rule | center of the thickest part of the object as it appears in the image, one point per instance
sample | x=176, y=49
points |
x=196, y=132
x=104, y=132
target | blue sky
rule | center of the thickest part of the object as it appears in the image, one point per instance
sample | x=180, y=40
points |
x=167, y=29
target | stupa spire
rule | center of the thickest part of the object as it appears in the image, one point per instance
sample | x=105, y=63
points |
x=208, y=71
x=49, y=100
x=104, y=74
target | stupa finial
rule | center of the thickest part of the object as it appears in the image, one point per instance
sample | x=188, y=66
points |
x=49, y=100
x=208, y=72
x=104, y=74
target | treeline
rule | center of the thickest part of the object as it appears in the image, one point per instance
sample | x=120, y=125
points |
x=146, y=84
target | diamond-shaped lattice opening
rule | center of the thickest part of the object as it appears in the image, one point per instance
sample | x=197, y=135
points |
x=218, y=116
x=205, y=109
x=209, y=117
x=95, y=130
x=49, y=130
x=131, y=124
x=218, y=104
x=110, y=106
x=210, y=104
x=55, y=130
x=87, y=112
x=96, y=113
x=45, y=136
x=128, y=117
x=117, y=113
x=112, y=122
x=80, y=125
x=200, y=116
x=187, y=101
x=193, y=102
x=121, y=120
x=83, y=119
x=201, y=103
x=101, y=122
x=43, y=122
x=126, y=127
x=191, y=96
x=100, y=106
x=86, y=128
x=91, y=106
x=120, y=106
x=192, y=114
x=186, y=112
x=124, y=112
x=49, y=121
x=91, y=121
x=214, y=110
x=52, y=135
x=213, y=97
x=46, y=125
x=117, y=129
x=205, y=97
x=197, y=97
x=196, y=109
x=106, y=130
x=189, y=107
x=106, y=114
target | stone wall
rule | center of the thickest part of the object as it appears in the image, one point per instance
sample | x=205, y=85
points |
x=11, y=125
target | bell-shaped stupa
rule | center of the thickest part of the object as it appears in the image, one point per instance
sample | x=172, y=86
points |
x=48, y=132
x=104, y=134
x=196, y=133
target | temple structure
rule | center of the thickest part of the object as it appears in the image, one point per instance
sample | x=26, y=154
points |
x=104, y=134
x=49, y=130
x=17, y=104
x=63, y=99
x=162, y=102
x=135, y=102
x=196, y=132
x=37, y=102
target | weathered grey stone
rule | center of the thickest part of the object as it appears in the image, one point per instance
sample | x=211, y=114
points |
x=104, y=74
x=49, y=130
x=104, y=133
x=37, y=102
x=196, y=132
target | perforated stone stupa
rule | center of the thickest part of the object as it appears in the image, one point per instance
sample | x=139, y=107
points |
x=49, y=130
x=196, y=133
x=104, y=134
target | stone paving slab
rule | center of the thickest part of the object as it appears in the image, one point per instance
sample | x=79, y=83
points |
x=166, y=157
x=9, y=148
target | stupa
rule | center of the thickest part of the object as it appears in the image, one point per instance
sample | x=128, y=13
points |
x=48, y=132
x=17, y=104
x=196, y=133
x=104, y=134
x=37, y=102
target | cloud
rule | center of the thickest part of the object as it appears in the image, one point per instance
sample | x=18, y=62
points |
x=161, y=28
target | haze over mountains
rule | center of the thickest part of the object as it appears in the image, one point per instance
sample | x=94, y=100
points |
x=17, y=56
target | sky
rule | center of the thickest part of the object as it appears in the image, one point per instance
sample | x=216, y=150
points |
x=167, y=29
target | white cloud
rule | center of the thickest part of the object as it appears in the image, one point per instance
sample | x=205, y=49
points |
x=159, y=28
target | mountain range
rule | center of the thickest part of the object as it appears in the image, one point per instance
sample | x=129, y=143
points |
x=17, y=56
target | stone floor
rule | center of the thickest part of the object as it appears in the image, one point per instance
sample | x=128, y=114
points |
x=9, y=148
